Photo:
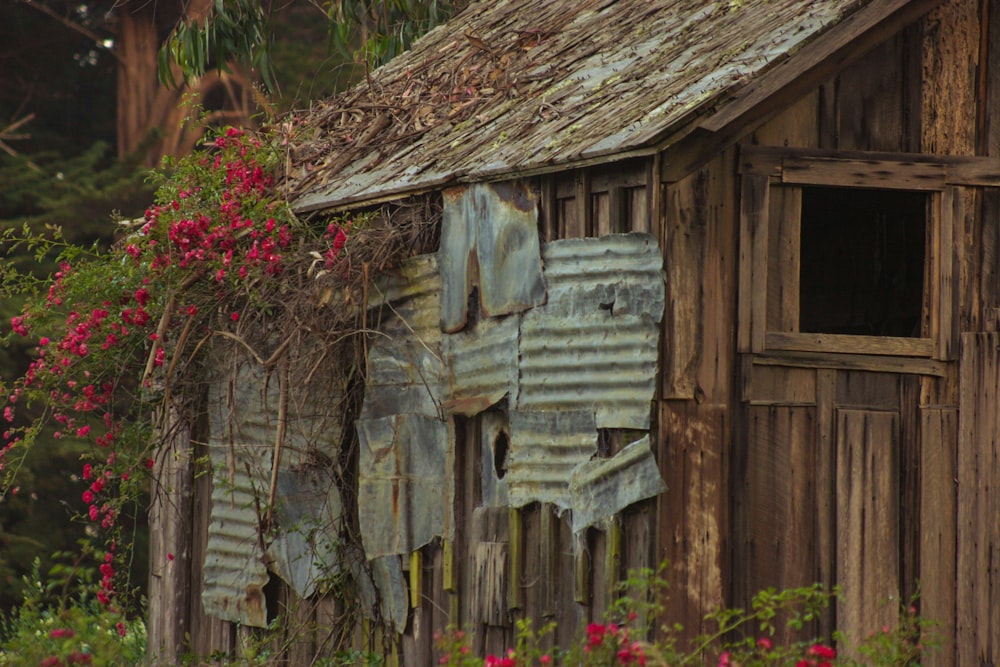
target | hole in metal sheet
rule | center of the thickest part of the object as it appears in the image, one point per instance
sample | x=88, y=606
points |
x=500, y=446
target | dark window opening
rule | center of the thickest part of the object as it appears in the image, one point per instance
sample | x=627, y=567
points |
x=862, y=261
x=500, y=446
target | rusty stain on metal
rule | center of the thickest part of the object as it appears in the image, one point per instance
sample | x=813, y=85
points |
x=404, y=488
x=602, y=487
x=583, y=92
x=489, y=239
x=241, y=420
x=482, y=365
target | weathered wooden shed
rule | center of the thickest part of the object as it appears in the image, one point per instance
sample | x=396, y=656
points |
x=717, y=284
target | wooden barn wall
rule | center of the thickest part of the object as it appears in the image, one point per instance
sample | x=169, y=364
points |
x=820, y=452
x=509, y=564
x=775, y=471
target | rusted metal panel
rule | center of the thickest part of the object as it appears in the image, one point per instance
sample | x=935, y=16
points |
x=545, y=448
x=489, y=239
x=518, y=85
x=308, y=517
x=405, y=371
x=242, y=420
x=381, y=588
x=482, y=365
x=234, y=573
x=600, y=488
x=593, y=345
x=404, y=487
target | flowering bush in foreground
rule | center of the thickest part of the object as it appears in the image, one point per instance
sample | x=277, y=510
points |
x=118, y=331
x=81, y=632
x=744, y=638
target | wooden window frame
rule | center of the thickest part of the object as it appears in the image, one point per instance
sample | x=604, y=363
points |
x=770, y=231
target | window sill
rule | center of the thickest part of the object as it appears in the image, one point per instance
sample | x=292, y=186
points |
x=848, y=344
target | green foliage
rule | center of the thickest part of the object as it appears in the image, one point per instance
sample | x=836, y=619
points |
x=76, y=631
x=376, y=31
x=234, y=30
x=772, y=632
x=364, y=31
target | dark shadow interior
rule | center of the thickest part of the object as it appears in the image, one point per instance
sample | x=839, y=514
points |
x=862, y=261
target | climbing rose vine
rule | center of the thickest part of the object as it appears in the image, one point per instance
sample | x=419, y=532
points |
x=115, y=329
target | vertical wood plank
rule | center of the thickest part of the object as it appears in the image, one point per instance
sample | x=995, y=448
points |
x=700, y=260
x=753, y=263
x=826, y=491
x=938, y=527
x=170, y=521
x=602, y=213
x=619, y=198
x=950, y=211
x=686, y=203
x=783, y=256
x=978, y=598
x=950, y=58
x=693, y=513
x=867, y=521
x=780, y=500
x=584, y=203
x=550, y=208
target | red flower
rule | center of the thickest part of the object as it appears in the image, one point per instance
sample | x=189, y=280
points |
x=822, y=651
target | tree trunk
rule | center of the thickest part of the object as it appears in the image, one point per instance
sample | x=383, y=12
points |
x=153, y=118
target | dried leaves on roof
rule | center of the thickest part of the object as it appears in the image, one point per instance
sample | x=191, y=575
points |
x=511, y=85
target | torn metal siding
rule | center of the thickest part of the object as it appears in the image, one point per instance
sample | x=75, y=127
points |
x=602, y=487
x=553, y=86
x=482, y=365
x=404, y=488
x=405, y=372
x=308, y=518
x=545, y=449
x=242, y=406
x=234, y=573
x=594, y=344
x=583, y=361
x=489, y=239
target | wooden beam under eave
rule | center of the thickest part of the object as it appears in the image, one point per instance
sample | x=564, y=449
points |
x=816, y=62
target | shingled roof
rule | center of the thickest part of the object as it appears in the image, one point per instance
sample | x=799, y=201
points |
x=516, y=87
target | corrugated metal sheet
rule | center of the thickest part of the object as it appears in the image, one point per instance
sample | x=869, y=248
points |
x=482, y=365
x=308, y=518
x=242, y=419
x=516, y=85
x=594, y=344
x=405, y=370
x=545, y=449
x=489, y=238
x=234, y=573
x=601, y=488
x=240, y=431
x=404, y=484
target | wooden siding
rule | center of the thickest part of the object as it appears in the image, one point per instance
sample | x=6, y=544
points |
x=865, y=463
x=978, y=597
